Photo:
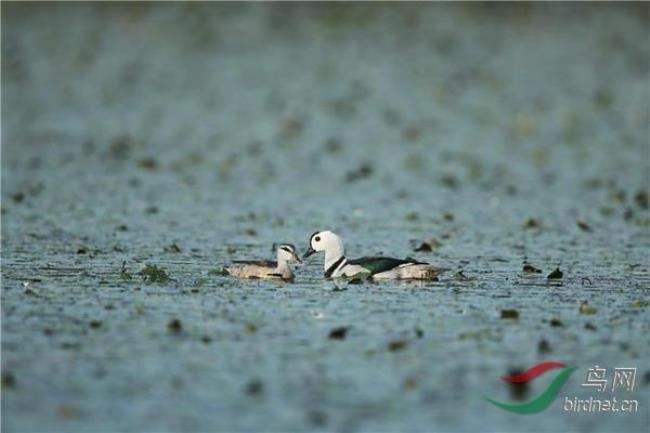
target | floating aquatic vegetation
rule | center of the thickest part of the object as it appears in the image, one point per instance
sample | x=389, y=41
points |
x=429, y=245
x=641, y=199
x=555, y=275
x=530, y=269
x=449, y=180
x=124, y=274
x=449, y=217
x=173, y=248
x=518, y=390
x=8, y=380
x=410, y=382
x=603, y=99
x=363, y=171
x=411, y=216
x=617, y=196
x=640, y=303
x=332, y=145
x=148, y=164
x=199, y=282
x=587, y=309
x=628, y=214
x=480, y=334
x=251, y=328
x=338, y=333
x=254, y=387
x=121, y=147
x=412, y=133
x=174, y=326
x=292, y=128
x=543, y=346
x=510, y=314
x=154, y=274
x=397, y=345
x=18, y=197
x=532, y=223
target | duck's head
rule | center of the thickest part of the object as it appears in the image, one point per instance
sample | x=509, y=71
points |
x=326, y=241
x=287, y=253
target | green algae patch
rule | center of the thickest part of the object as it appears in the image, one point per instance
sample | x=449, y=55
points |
x=640, y=303
x=154, y=274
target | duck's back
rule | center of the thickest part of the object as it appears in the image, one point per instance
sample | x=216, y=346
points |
x=262, y=269
x=391, y=268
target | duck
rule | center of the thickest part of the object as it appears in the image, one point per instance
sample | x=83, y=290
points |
x=378, y=267
x=266, y=269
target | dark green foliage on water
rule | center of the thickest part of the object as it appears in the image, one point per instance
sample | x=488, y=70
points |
x=154, y=274
x=530, y=269
x=510, y=314
x=173, y=248
x=124, y=274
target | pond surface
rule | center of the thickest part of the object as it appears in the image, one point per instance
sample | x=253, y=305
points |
x=522, y=139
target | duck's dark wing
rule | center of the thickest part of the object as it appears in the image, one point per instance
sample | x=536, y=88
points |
x=380, y=264
x=265, y=263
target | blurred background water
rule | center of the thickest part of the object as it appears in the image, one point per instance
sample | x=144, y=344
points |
x=189, y=135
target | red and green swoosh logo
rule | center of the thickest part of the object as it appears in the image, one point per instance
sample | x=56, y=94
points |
x=545, y=398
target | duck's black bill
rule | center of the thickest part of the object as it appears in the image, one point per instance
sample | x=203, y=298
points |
x=309, y=252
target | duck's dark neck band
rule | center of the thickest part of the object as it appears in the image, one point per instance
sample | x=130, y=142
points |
x=331, y=269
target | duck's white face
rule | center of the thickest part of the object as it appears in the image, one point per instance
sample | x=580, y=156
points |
x=324, y=241
x=287, y=253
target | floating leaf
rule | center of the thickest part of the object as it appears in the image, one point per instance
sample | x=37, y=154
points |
x=510, y=314
x=583, y=225
x=175, y=326
x=338, y=333
x=173, y=248
x=397, y=345
x=532, y=223
x=530, y=269
x=430, y=245
x=587, y=309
